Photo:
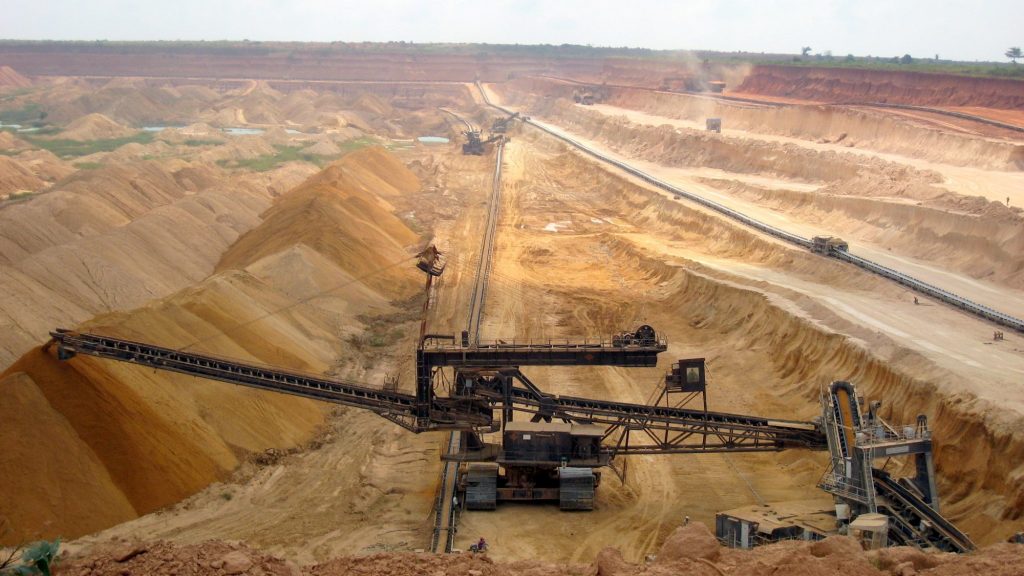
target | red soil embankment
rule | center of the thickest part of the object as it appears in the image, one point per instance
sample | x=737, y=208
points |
x=353, y=62
x=851, y=85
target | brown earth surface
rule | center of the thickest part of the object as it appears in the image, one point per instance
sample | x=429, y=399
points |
x=688, y=550
x=306, y=63
x=9, y=141
x=15, y=177
x=313, y=272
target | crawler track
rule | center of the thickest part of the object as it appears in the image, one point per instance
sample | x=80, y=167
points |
x=945, y=296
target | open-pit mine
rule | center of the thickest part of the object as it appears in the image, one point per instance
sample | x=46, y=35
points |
x=377, y=309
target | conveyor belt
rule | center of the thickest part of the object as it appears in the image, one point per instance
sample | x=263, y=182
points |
x=726, y=432
x=913, y=521
x=395, y=406
x=688, y=431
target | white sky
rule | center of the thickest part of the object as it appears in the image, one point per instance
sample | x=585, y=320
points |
x=954, y=29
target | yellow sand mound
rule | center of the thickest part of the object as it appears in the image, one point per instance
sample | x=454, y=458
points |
x=89, y=443
x=15, y=178
x=95, y=127
x=9, y=141
x=342, y=214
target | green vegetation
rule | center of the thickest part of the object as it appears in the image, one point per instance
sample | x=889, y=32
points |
x=387, y=329
x=37, y=558
x=271, y=161
x=357, y=143
x=294, y=154
x=73, y=148
x=905, y=63
x=87, y=165
x=30, y=113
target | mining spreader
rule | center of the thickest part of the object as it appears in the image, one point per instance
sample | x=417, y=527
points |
x=553, y=447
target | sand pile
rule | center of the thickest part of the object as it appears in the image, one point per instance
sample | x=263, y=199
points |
x=825, y=558
x=95, y=127
x=9, y=141
x=45, y=165
x=10, y=78
x=115, y=237
x=196, y=131
x=324, y=147
x=16, y=178
x=133, y=151
x=239, y=148
x=141, y=440
x=343, y=214
x=374, y=104
x=129, y=102
x=224, y=116
x=277, y=135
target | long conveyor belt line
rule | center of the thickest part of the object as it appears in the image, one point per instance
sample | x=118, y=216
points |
x=395, y=405
x=479, y=297
x=954, y=300
x=446, y=518
x=295, y=383
x=708, y=431
x=443, y=536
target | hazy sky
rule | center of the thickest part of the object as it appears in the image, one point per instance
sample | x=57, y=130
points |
x=955, y=29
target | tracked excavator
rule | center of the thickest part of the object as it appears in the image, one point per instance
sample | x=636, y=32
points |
x=551, y=447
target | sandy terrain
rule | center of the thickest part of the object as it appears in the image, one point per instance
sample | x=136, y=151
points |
x=145, y=458
x=986, y=370
x=310, y=269
x=94, y=127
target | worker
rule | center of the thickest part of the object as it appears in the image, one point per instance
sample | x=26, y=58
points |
x=915, y=301
x=686, y=521
x=481, y=546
